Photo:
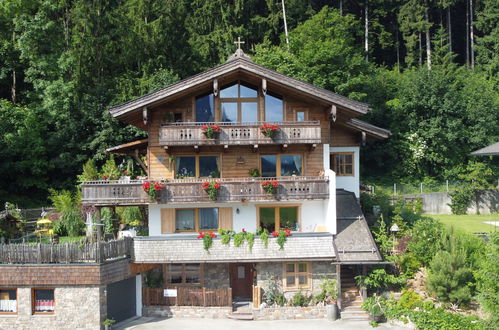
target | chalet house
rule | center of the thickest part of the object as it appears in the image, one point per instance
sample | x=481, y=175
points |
x=310, y=159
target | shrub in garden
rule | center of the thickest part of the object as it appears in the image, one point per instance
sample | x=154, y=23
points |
x=378, y=280
x=426, y=239
x=272, y=293
x=449, y=279
x=410, y=299
x=300, y=300
x=487, y=281
x=408, y=264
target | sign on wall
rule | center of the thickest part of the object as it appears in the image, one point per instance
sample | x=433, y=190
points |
x=170, y=293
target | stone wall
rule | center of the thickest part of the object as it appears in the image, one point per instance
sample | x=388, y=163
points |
x=216, y=276
x=289, y=313
x=320, y=270
x=186, y=312
x=75, y=308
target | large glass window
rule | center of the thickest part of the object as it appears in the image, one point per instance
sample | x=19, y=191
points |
x=281, y=165
x=269, y=165
x=197, y=166
x=275, y=218
x=239, y=103
x=205, y=109
x=43, y=301
x=201, y=219
x=274, y=109
x=185, y=220
x=8, y=301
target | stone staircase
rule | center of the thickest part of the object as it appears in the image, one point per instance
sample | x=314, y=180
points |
x=351, y=298
x=242, y=311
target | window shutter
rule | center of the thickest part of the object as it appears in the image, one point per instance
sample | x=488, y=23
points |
x=167, y=221
x=225, y=220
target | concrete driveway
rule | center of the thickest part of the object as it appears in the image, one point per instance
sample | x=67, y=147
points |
x=150, y=323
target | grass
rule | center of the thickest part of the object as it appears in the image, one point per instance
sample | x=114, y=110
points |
x=468, y=222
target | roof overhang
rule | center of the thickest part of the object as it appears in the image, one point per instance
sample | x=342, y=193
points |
x=492, y=150
x=371, y=130
x=128, y=148
x=238, y=64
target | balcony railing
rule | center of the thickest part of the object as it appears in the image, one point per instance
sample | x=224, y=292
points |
x=190, y=190
x=245, y=133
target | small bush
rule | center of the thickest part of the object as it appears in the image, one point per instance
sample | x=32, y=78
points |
x=300, y=300
x=408, y=264
x=410, y=299
x=272, y=293
x=426, y=235
x=461, y=199
x=378, y=280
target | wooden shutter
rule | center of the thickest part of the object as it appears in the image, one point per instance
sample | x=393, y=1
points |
x=225, y=218
x=167, y=221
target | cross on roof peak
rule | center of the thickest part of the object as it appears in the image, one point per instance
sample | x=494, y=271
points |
x=239, y=43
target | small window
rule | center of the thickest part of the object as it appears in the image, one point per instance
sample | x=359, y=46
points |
x=8, y=301
x=205, y=109
x=300, y=116
x=342, y=163
x=208, y=167
x=203, y=219
x=185, y=167
x=275, y=218
x=281, y=165
x=274, y=108
x=184, y=274
x=269, y=165
x=291, y=165
x=297, y=276
x=43, y=301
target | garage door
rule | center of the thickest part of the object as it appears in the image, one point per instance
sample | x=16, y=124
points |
x=121, y=300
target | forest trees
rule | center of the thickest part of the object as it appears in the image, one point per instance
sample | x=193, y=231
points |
x=64, y=63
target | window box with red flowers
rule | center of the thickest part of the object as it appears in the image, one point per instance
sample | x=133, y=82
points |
x=152, y=188
x=269, y=130
x=282, y=236
x=207, y=239
x=270, y=186
x=211, y=131
x=211, y=188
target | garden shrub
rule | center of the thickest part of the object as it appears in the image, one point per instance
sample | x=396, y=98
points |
x=272, y=293
x=378, y=280
x=426, y=241
x=89, y=173
x=410, y=299
x=449, y=279
x=300, y=300
x=487, y=281
x=408, y=264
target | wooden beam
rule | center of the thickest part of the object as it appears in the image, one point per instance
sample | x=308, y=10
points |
x=255, y=148
x=144, y=115
x=196, y=149
x=334, y=112
x=264, y=87
x=139, y=161
x=215, y=87
x=313, y=146
x=364, y=138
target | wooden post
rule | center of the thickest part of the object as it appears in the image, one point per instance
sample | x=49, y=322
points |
x=98, y=231
x=338, y=284
x=204, y=296
x=176, y=298
x=230, y=296
x=363, y=289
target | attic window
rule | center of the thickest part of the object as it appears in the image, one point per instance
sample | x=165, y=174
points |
x=239, y=103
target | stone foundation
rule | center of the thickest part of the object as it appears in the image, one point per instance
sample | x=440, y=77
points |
x=75, y=308
x=290, y=313
x=186, y=312
x=216, y=276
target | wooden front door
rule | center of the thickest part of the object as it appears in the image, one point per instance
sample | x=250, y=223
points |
x=241, y=280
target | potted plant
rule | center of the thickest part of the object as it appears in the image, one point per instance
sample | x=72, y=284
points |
x=254, y=173
x=329, y=294
x=372, y=305
x=108, y=323
x=212, y=188
x=270, y=186
x=211, y=131
x=269, y=130
x=152, y=188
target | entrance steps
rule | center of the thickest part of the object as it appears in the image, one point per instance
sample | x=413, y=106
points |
x=242, y=311
x=351, y=298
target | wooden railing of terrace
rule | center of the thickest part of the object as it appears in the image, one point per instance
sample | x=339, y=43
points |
x=66, y=253
x=244, y=133
x=190, y=190
x=188, y=296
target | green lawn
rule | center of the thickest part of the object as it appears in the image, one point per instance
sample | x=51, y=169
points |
x=468, y=222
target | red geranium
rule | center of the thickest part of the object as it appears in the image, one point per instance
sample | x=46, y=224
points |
x=212, y=188
x=274, y=233
x=269, y=130
x=210, y=130
x=151, y=188
x=270, y=186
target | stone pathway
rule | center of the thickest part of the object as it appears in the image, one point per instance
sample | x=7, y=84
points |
x=493, y=223
x=149, y=323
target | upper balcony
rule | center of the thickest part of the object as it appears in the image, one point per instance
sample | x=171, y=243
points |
x=245, y=133
x=117, y=192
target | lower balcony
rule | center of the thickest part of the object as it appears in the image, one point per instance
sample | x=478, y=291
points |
x=187, y=248
x=117, y=192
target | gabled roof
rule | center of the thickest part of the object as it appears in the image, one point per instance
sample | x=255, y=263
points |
x=492, y=150
x=245, y=64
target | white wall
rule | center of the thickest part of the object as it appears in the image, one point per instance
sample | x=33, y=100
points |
x=312, y=213
x=349, y=183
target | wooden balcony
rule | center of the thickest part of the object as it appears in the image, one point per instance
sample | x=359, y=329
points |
x=191, y=134
x=189, y=190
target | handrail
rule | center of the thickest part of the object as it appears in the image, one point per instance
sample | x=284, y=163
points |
x=241, y=124
x=201, y=180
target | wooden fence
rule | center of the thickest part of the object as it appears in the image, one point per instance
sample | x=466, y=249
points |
x=257, y=296
x=65, y=253
x=187, y=296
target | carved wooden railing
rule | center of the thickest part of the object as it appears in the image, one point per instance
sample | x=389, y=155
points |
x=246, y=133
x=190, y=190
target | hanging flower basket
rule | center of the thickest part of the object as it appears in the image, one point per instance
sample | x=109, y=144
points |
x=152, y=188
x=269, y=130
x=212, y=188
x=211, y=131
x=270, y=186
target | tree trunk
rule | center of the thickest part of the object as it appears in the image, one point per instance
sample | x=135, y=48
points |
x=366, y=31
x=420, y=51
x=13, y=88
x=449, y=28
x=285, y=23
x=428, y=39
x=467, y=33
x=472, y=52
x=341, y=7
